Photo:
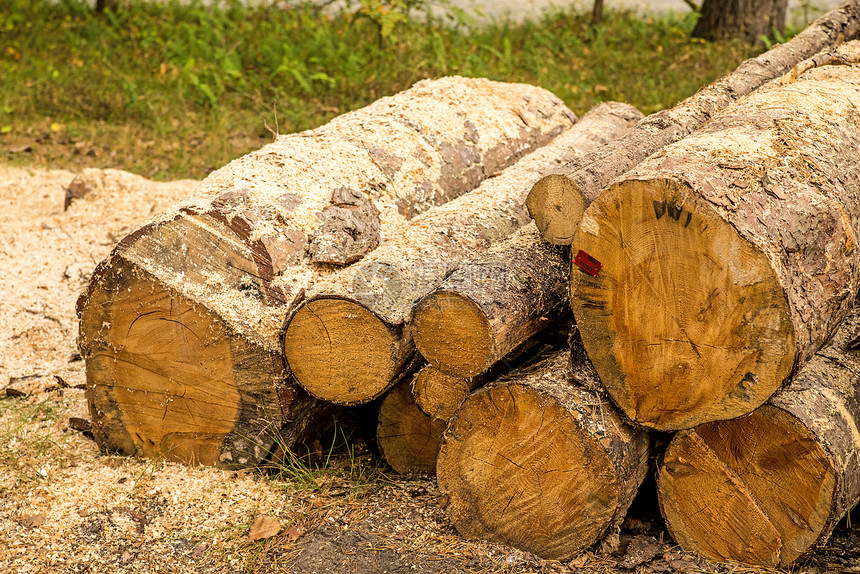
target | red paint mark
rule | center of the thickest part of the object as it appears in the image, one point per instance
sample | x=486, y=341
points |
x=587, y=263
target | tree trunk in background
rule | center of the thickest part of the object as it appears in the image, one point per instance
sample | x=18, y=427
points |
x=746, y=20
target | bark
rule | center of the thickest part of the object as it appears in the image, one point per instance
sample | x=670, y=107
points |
x=787, y=473
x=348, y=342
x=728, y=258
x=408, y=439
x=745, y=20
x=558, y=200
x=180, y=326
x=491, y=304
x=535, y=462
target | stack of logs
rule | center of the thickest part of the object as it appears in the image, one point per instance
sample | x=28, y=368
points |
x=708, y=253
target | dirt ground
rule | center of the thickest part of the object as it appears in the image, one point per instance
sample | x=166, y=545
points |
x=66, y=507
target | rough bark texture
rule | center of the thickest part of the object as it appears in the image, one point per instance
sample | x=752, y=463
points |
x=408, y=439
x=348, y=342
x=535, y=462
x=786, y=474
x=180, y=326
x=558, y=200
x=728, y=258
x=745, y=20
x=490, y=305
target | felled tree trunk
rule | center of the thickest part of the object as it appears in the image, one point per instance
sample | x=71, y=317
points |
x=491, y=304
x=766, y=488
x=728, y=258
x=745, y=20
x=180, y=326
x=348, y=342
x=538, y=463
x=557, y=201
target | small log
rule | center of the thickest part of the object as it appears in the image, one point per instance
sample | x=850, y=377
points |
x=180, y=326
x=769, y=487
x=408, y=438
x=438, y=394
x=491, y=304
x=348, y=342
x=538, y=463
x=727, y=258
x=558, y=200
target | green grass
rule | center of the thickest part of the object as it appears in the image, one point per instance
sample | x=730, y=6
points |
x=172, y=90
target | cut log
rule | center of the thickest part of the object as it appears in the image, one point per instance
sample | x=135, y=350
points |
x=180, y=327
x=348, y=342
x=535, y=462
x=408, y=439
x=558, y=200
x=438, y=394
x=767, y=488
x=728, y=258
x=491, y=304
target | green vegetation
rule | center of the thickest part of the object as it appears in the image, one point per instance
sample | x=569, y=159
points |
x=176, y=89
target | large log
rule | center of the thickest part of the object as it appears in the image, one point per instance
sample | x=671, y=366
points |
x=538, y=463
x=348, y=342
x=180, y=326
x=730, y=257
x=769, y=487
x=558, y=200
x=491, y=304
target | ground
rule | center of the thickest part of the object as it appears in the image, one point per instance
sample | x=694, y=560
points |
x=66, y=507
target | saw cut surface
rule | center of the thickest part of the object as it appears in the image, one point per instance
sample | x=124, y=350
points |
x=685, y=322
x=756, y=490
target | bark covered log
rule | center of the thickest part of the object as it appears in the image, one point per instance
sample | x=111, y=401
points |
x=769, y=487
x=730, y=257
x=180, y=326
x=558, y=200
x=535, y=462
x=348, y=342
x=491, y=304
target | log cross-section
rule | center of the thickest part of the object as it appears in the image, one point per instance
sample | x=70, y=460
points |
x=536, y=462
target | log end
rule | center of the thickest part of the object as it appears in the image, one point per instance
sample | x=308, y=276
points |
x=685, y=321
x=408, y=439
x=159, y=370
x=453, y=333
x=340, y=352
x=438, y=394
x=518, y=469
x=756, y=490
x=556, y=204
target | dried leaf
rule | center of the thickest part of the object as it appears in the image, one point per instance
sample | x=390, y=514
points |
x=264, y=527
x=294, y=531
